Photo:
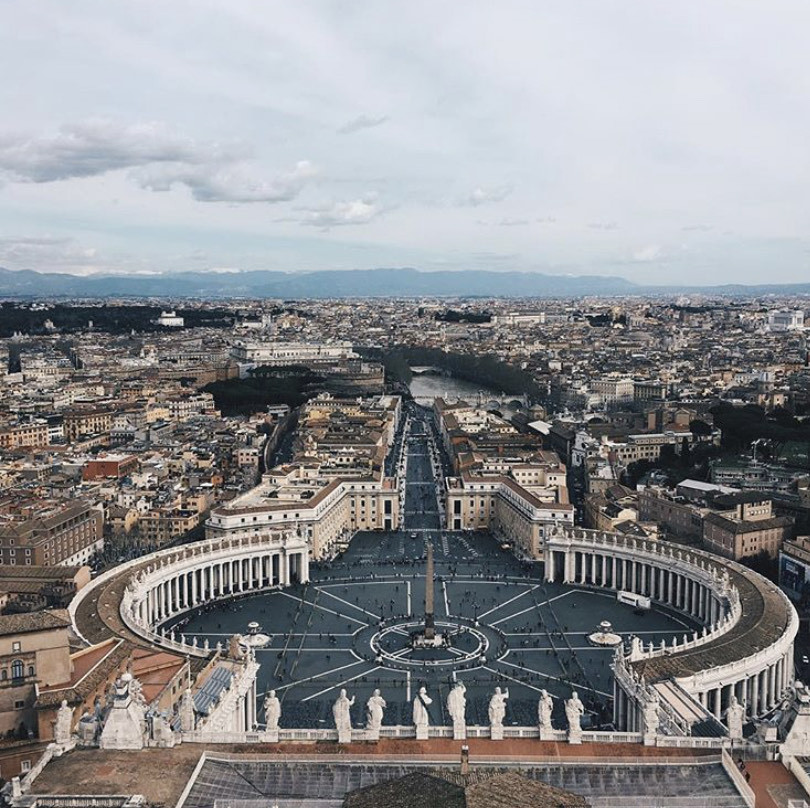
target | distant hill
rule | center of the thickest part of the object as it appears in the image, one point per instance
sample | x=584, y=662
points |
x=404, y=282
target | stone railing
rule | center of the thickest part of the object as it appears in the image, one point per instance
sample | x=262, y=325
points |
x=401, y=732
x=736, y=777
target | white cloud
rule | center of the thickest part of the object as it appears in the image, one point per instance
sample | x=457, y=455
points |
x=346, y=212
x=652, y=252
x=226, y=183
x=362, y=122
x=482, y=196
x=158, y=159
x=97, y=146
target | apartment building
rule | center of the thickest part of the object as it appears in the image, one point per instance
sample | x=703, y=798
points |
x=36, y=532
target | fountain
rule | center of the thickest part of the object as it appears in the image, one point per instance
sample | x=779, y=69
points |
x=604, y=636
x=254, y=637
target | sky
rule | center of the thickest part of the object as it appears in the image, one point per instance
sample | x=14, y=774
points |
x=662, y=142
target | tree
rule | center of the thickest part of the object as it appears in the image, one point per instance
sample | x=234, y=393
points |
x=700, y=429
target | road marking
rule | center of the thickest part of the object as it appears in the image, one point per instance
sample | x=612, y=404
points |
x=340, y=684
x=318, y=675
x=555, y=678
x=352, y=605
x=506, y=603
x=517, y=614
x=323, y=608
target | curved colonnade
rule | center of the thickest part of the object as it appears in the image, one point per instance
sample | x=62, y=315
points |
x=165, y=584
x=745, y=646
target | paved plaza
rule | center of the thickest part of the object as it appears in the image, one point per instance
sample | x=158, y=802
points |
x=530, y=635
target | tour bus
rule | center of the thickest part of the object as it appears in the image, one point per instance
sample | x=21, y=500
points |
x=639, y=602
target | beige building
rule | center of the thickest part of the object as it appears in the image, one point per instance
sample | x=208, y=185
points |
x=22, y=435
x=34, y=650
x=78, y=423
x=326, y=509
x=748, y=528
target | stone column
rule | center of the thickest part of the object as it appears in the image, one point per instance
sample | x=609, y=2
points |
x=755, y=695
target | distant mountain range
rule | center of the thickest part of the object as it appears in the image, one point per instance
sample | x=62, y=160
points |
x=403, y=282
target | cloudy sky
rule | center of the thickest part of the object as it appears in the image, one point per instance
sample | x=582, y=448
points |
x=659, y=141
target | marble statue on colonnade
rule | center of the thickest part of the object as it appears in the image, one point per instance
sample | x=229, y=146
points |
x=375, y=706
x=420, y=713
x=235, y=649
x=187, y=711
x=734, y=718
x=63, y=728
x=545, y=707
x=574, y=710
x=342, y=716
x=497, y=712
x=457, y=707
x=272, y=714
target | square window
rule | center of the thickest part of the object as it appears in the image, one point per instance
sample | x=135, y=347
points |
x=25, y=766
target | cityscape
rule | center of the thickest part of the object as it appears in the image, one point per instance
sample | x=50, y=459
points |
x=383, y=424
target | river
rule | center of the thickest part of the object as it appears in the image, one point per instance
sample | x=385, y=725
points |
x=428, y=385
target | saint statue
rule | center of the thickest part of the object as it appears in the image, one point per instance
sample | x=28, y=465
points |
x=235, y=650
x=340, y=712
x=374, y=711
x=64, y=724
x=545, y=707
x=497, y=707
x=420, y=704
x=272, y=711
x=187, y=711
x=457, y=707
x=734, y=718
x=574, y=710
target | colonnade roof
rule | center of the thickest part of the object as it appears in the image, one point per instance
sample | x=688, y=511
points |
x=765, y=616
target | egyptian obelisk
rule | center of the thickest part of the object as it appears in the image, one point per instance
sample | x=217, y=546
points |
x=430, y=626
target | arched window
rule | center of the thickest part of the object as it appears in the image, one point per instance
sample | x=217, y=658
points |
x=4, y=674
x=30, y=670
x=17, y=669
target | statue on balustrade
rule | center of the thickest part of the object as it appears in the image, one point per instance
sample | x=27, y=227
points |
x=64, y=724
x=574, y=710
x=186, y=711
x=457, y=707
x=735, y=716
x=272, y=711
x=545, y=707
x=235, y=649
x=421, y=719
x=374, y=713
x=342, y=716
x=497, y=712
